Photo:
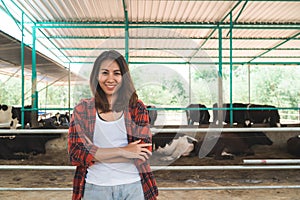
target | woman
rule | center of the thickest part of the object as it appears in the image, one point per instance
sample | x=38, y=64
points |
x=109, y=138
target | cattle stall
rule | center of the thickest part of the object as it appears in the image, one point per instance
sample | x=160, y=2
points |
x=224, y=46
x=284, y=166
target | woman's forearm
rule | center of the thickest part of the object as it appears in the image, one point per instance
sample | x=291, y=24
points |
x=107, y=154
x=117, y=160
x=133, y=150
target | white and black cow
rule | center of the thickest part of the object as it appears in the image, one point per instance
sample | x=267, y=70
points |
x=20, y=146
x=200, y=116
x=246, y=114
x=57, y=121
x=293, y=145
x=6, y=117
x=152, y=114
x=228, y=145
x=11, y=116
x=171, y=146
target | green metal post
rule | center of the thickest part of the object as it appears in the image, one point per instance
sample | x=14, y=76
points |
x=34, y=97
x=249, y=84
x=190, y=84
x=126, y=32
x=230, y=51
x=23, y=71
x=69, y=89
x=220, y=84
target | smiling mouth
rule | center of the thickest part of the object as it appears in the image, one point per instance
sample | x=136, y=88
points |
x=111, y=87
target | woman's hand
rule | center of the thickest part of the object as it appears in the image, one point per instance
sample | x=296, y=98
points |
x=136, y=150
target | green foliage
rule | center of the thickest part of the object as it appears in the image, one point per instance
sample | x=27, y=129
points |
x=274, y=85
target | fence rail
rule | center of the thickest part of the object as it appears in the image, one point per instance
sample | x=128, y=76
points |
x=182, y=129
x=234, y=167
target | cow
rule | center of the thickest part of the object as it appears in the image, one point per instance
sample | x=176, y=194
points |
x=61, y=119
x=20, y=146
x=27, y=115
x=270, y=115
x=152, y=114
x=293, y=145
x=7, y=117
x=171, y=146
x=224, y=146
x=245, y=115
x=56, y=121
x=12, y=116
x=228, y=145
x=200, y=116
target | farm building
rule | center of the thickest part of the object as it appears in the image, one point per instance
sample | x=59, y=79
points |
x=180, y=52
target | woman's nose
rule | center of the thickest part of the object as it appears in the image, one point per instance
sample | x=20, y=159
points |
x=110, y=77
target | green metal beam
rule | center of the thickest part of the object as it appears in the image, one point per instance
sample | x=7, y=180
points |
x=58, y=37
x=11, y=15
x=155, y=49
x=223, y=63
x=275, y=47
x=203, y=63
x=168, y=23
x=180, y=26
x=180, y=57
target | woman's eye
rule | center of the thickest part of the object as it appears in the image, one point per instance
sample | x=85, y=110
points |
x=117, y=73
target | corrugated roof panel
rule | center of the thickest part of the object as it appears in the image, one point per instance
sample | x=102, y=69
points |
x=69, y=10
x=293, y=43
x=271, y=11
x=178, y=11
x=262, y=33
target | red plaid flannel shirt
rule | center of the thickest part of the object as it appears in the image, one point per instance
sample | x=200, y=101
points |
x=82, y=150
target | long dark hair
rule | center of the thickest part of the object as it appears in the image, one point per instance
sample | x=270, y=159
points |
x=126, y=94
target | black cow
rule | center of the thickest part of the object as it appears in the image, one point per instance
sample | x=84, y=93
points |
x=243, y=116
x=293, y=145
x=27, y=115
x=172, y=146
x=227, y=145
x=270, y=116
x=20, y=146
x=201, y=116
x=152, y=114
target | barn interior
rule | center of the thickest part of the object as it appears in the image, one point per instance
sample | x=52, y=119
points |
x=57, y=42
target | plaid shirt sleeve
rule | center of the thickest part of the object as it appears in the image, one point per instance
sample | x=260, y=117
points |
x=81, y=149
x=138, y=128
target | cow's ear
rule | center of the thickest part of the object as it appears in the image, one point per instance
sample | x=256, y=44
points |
x=4, y=107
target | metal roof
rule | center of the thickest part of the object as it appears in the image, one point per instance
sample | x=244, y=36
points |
x=47, y=69
x=174, y=31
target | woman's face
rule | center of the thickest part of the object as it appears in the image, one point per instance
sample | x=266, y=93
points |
x=110, y=77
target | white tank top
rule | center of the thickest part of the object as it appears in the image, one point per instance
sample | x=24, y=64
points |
x=110, y=134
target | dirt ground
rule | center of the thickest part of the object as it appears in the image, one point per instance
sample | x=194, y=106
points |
x=199, y=178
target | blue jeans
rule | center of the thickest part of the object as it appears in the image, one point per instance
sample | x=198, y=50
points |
x=132, y=191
